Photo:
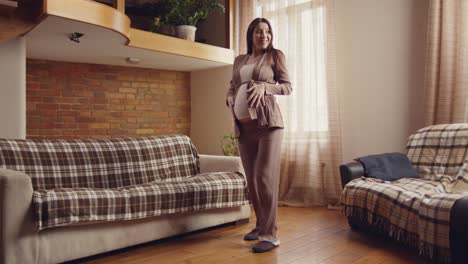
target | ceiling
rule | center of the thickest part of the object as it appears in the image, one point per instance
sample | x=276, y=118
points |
x=49, y=41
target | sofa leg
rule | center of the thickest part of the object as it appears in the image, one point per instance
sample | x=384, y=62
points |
x=241, y=222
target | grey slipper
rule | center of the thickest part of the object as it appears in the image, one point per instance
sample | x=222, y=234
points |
x=263, y=246
x=251, y=236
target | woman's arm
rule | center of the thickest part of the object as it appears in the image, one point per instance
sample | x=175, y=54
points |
x=283, y=86
x=230, y=91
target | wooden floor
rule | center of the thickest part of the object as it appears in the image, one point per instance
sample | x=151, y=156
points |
x=308, y=235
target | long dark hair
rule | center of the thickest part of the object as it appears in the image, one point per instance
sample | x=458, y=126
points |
x=250, y=31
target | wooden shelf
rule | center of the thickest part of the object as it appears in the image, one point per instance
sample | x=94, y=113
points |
x=108, y=39
x=90, y=12
x=162, y=43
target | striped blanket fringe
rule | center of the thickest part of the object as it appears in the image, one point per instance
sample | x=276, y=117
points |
x=382, y=226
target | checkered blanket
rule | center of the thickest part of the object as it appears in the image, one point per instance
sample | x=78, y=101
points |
x=106, y=163
x=438, y=151
x=416, y=212
x=59, y=207
x=78, y=181
x=412, y=211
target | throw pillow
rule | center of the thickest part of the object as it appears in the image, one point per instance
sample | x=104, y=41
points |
x=388, y=166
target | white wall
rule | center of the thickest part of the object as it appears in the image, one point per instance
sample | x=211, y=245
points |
x=211, y=119
x=380, y=72
x=13, y=89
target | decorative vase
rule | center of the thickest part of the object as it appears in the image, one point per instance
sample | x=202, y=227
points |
x=186, y=32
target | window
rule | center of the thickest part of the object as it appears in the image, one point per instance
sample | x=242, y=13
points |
x=299, y=29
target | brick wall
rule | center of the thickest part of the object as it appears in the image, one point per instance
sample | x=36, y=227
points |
x=75, y=100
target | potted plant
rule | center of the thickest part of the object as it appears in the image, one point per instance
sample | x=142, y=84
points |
x=185, y=15
x=229, y=145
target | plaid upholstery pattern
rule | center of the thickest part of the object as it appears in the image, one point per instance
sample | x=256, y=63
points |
x=460, y=184
x=94, y=163
x=413, y=211
x=438, y=151
x=61, y=207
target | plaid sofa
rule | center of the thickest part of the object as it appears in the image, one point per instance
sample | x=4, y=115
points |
x=83, y=182
x=414, y=211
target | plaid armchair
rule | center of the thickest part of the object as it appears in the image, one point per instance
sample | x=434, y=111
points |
x=427, y=213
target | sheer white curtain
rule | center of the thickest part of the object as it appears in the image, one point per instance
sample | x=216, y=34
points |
x=304, y=31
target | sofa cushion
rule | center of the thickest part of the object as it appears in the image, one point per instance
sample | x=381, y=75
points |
x=68, y=206
x=438, y=151
x=100, y=163
x=413, y=211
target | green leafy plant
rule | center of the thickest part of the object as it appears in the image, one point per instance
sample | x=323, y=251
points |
x=173, y=12
x=229, y=145
x=188, y=12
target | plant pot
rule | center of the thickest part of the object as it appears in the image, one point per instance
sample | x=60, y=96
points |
x=186, y=32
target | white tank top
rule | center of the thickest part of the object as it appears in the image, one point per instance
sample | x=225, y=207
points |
x=241, y=106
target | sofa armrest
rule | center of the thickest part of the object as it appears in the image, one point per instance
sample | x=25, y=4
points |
x=19, y=241
x=350, y=171
x=459, y=230
x=214, y=163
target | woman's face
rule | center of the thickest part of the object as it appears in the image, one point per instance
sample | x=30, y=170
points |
x=261, y=36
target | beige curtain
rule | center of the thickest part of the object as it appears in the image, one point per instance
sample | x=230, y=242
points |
x=446, y=90
x=244, y=16
x=304, y=31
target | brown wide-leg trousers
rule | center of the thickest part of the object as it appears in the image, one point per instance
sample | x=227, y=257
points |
x=260, y=154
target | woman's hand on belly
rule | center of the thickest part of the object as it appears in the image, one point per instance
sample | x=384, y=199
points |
x=256, y=95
